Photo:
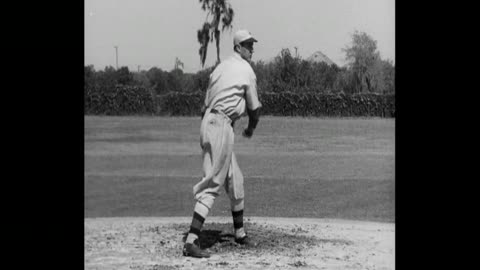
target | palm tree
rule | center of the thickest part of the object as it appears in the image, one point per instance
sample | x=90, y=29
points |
x=220, y=10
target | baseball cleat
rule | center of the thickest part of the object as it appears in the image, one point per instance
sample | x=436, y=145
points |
x=192, y=250
x=246, y=241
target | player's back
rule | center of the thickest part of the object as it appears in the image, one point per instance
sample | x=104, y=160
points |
x=227, y=85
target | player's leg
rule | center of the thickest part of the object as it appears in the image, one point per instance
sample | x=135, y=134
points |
x=235, y=191
x=200, y=213
x=234, y=188
x=217, y=147
x=237, y=214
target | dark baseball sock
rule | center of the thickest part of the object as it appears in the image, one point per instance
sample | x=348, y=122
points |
x=197, y=223
x=238, y=223
x=199, y=215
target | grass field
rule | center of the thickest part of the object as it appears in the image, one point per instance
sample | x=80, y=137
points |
x=293, y=167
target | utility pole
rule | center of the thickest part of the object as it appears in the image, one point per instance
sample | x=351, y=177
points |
x=116, y=55
x=138, y=68
x=178, y=63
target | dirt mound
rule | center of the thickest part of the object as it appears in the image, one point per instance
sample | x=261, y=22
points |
x=286, y=243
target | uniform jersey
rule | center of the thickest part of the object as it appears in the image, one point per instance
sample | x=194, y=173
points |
x=233, y=88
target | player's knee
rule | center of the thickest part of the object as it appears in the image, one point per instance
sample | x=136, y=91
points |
x=237, y=204
x=207, y=199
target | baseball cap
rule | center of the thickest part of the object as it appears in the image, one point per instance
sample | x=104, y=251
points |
x=241, y=36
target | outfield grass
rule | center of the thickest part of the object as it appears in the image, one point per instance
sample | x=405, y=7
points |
x=294, y=167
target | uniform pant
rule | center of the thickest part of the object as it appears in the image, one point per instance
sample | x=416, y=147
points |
x=220, y=167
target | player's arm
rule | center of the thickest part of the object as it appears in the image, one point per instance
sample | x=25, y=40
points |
x=253, y=118
x=202, y=111
x=253, y=108
x=207, y=98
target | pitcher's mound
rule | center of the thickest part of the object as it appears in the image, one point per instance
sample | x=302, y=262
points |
x=286, y=243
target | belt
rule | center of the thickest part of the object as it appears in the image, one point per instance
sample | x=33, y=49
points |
x=220, y=112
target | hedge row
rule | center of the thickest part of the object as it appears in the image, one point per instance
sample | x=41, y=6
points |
x=125, y=100
x=180, y=104
x=292, y=104
x=121, y=100
x=314, y=104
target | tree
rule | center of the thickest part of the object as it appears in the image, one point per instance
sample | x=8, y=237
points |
x=106, y=79
x=324, y=76
x=124, y=76
x=284, y=71
x=141, y=79
x=89, y=76
x=221, y=11
x=389, y=76
x=344, y=81
x=174, y=80
x=157, y=79
x=201, y=79
x=364, y=61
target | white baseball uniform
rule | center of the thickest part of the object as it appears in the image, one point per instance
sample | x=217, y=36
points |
x=232, y=89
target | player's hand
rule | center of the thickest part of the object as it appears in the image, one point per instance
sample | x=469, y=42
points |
x=247, y=133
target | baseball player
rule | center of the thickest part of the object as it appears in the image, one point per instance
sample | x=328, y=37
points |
x=231, y=94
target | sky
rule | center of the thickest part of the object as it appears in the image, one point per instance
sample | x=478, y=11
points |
x=153, y=33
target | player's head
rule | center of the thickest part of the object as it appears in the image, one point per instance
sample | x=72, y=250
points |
x=243, y=44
